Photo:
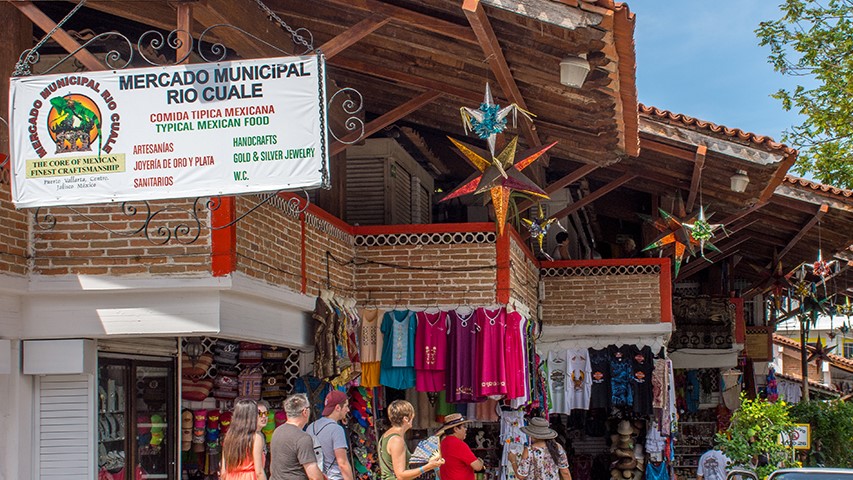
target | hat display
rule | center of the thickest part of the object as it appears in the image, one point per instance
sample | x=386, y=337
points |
x=539, y=428
x=333, y=399
x=625, y=428
x=452, y=420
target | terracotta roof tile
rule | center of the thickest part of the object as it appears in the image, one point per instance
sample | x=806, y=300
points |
x=734, y=133
x=812, y=384
x=837, y=360
x=818, y=186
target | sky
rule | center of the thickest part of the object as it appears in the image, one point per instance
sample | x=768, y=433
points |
x=702, y=59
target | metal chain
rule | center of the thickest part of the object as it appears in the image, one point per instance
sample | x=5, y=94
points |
x=22, y=68
x=297, y=38
x=321, y=75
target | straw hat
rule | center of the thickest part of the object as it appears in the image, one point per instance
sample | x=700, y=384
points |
x=452, y=420
x=625, y=428
x=539, y=429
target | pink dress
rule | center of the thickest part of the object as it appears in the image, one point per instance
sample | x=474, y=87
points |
x=431, y=351
x=491, y=327
x=514, y=363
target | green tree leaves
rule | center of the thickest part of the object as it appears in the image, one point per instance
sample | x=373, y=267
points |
x=815, y=39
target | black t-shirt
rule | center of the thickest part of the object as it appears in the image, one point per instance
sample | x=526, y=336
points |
x=642, y=366
x=599, y=362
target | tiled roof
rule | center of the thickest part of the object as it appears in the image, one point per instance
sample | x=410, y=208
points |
x=812, y=384
x=837, y=360
x=734, y=133
x=818, y=186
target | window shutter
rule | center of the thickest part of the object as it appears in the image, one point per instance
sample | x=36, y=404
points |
x=65, y=427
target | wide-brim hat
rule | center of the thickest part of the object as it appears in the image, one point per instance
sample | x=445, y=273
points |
x=539, y=428
x=452, y=420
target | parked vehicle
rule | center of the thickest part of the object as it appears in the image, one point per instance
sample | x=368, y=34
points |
x=797, y=474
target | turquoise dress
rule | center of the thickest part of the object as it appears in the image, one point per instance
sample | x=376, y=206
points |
x=397, y=369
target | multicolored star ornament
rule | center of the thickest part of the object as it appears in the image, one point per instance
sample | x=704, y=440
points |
x=683, y=235
x=489, y=119
x=820, y=353
x=846, y=308
x=500, y=176
x=538, y=228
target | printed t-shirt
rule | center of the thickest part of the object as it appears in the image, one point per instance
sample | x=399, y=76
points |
x=578, y=379
x=599, y=361
x=642, y=367
x=621, y=391
x=331, y=437
x=290, y=449
x=712, y=465
x=457, y=459
x=557, y=381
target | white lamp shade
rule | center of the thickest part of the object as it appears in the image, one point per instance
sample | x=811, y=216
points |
x=739, y=181
x=573, y=71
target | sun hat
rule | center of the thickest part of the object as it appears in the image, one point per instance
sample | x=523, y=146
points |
x=539, y=428
x=452, y=420
x=333, y=399
x=625, y=428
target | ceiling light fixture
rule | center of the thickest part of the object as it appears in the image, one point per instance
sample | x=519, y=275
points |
x=573, y=70
x=739, y=181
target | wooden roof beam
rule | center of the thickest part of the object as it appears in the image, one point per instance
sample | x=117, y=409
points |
x=602, y=191
x=778, y=176
x=412, y=18
x=699, y=264
x=354, y=34
x=476, y=16
x=61, y=36
x=737, y=216
x=564, y=182
x=666, y=149
x=808, y=226
x=387, y=119
x=698, y=164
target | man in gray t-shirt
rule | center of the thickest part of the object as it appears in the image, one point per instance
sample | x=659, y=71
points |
x=332, y=438
x=291, y=449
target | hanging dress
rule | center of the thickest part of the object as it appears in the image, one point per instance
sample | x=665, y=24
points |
x=398, y=350
x=462, y=356
x=371, y=347
x=491, y=332
x=512, y=439
x=515, y=360
x=431, y=351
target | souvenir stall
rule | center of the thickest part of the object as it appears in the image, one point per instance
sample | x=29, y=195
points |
x=613, y=405
x=465, y=359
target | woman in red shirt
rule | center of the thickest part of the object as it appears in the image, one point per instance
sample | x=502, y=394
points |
x=460, y=463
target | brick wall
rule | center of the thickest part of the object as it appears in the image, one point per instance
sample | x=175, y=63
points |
x=472, y=254
x=325, y=233
x=524, y=273
x=269, y=243
x=13, y=230
x=79, y=245
x=590, y=292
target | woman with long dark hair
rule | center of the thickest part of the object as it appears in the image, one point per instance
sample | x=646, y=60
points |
x=243, y=446
x=545, y=459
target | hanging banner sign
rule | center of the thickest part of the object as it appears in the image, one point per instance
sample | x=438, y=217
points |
x=171, y=132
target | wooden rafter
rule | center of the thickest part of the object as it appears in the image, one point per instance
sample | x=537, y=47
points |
x=61, y=36
x=387, y=119
x=726, y=250
x=808, y=226
x=666, y=149
x=746, y=211
x=602, y=191
x=185, y=31
x=564, y=182
x=412, y=18
x=476, y=16
x=698, y=164
x=778, y=176
x=354, y=34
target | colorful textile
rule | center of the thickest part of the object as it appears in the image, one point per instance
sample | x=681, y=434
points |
x=398, y=350
x=512, y=438
x=431, y=351
x=462, y=356
x=491, y=331
x=324, y=340
x=371, y=335
x=515, y=362
x=621, y=392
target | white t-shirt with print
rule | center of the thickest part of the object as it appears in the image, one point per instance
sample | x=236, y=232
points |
x=557, y=370
x=578, y=379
